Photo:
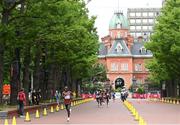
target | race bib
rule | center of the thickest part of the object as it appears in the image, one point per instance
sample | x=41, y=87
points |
x=67, y=97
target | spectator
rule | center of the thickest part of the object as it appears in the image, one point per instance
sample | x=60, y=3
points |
x=57, y=96
x=30, y=97
x=38, y=96
x=21, y=101
x=34, y=97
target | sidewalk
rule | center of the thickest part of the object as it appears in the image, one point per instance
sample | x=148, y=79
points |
x=13, y=111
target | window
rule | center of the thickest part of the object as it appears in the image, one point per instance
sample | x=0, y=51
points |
x=124, y=67
x=138, y=27
x=119, y=25
x=151, y=21
x=138, y=34
x=118, y=35
x=132, y=27
x=144, y=14
x=151, y=14
x=125, y=33
x=111, y=34
x=132, y=14
x=150, y=27
x=143, y=50
x=119, y=48
x=145, y=27
x=138, y=67
x=138, y=21
x=144, y=20
x=114, y=67
x=133, y=34
x=138, y=14
x=132, y=21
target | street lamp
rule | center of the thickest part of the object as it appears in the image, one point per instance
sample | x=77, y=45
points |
x=134, y=83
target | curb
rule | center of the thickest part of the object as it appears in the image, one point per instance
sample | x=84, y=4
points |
x=167, y=100
x=31, y=109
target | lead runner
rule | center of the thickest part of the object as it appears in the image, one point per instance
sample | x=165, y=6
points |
x=67, y=95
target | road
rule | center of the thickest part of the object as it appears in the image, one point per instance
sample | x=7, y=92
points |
x=158, y=112
x=116, y=113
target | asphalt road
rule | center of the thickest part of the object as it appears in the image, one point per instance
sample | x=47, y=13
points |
x=116, y=113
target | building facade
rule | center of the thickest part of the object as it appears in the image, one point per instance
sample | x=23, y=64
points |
x=122, y=56
x=141, y=21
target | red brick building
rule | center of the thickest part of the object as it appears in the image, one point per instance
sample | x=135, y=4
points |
x=123, y=56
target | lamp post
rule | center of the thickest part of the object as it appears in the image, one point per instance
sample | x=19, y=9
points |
x=134, y=83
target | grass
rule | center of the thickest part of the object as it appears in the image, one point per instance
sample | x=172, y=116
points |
x=4, y=107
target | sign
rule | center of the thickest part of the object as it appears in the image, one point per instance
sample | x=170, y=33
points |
x=119, y=83
x=6, y=89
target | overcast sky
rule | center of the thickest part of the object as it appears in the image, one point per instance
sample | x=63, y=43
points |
x=104, y=10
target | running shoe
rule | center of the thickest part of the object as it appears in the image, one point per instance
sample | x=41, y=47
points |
x=68, y=119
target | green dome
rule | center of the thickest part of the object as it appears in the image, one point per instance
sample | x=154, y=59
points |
x=118, y=21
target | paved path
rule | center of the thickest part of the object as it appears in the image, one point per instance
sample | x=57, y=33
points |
x=158, y=112
x=88, y=113
x=116, y=113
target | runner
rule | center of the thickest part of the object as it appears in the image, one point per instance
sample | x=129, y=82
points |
x=98, y=97
x=113, y=96
x=67, y=95
x=107, y=96
x=101, y=97
x=124, y=93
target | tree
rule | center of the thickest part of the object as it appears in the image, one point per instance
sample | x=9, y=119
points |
x=165, y=43
x=56, y=40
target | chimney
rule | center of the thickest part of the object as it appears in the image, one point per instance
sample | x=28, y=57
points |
x=129, y=41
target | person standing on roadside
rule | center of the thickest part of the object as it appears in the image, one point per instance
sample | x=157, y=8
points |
x=67, y=95
x=38, y=96
x=30, y=97
x=21, y=101
x=57, y=96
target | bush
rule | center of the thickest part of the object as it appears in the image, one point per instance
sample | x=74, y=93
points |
x=140, y=90
x=118, y=90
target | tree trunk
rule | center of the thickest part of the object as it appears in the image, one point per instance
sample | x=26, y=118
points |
x=37, y=69
x=50, y=80
x=5, y=17
x=15, y=80
x=1, y=69
x=26, y=71
x=173, y=88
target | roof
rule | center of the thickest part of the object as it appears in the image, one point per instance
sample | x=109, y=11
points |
x=119, y=47
x=139, y=49
x=118, y=18
x=102, y=49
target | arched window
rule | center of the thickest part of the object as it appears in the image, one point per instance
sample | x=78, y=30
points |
x=119, y=48
x=119, y=25
x=143, y=50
